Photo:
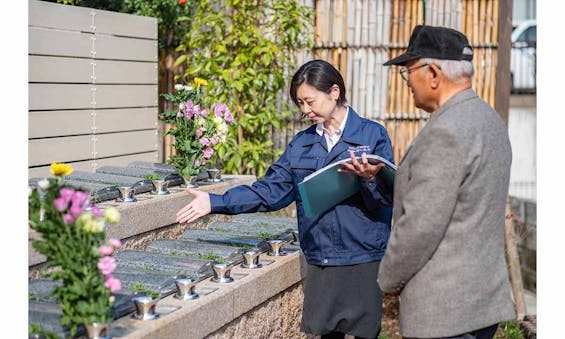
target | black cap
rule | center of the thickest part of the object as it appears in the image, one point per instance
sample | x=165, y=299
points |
x=436, y=43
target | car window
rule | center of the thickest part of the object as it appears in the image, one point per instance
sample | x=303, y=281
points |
x=529, y=35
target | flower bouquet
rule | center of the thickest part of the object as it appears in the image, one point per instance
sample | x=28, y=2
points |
x=197, y=131
x=77, y=251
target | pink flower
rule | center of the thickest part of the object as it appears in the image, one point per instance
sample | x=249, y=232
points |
x=219, y=109
x=107, y=265
x=97, y=211
x=76, y=210
x=79, y=198
x=196, y=163
x=228, y=117
x=112, y=298
x=204, y=113
x=199, y=131
x=208, y=152
x=214, y=141
x=179, y=114
x=68, y=219
x=66, y=193
x=105, y=250
x=205, y=141
x=61, y=204
x=115, y=242
x=112, y=283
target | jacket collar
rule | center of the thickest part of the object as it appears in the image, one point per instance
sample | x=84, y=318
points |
x=351, y=132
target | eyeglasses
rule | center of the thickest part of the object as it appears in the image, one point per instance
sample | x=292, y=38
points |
x=405, y=72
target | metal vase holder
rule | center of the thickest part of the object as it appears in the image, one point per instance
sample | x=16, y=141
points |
x=251, y=260
x=190, y=182
x=276, y=248
x=185, y=289
x=221, y=273
x=97, y=330
x=214, y=174
x=127, y=194
x=160, y=187
x=145, y=308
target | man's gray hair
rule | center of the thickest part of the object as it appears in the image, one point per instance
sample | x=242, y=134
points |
x=454, y=70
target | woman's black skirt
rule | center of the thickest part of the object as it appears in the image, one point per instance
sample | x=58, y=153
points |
x=344, y=299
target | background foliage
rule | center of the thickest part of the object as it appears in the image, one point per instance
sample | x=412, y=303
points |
x=246, y=49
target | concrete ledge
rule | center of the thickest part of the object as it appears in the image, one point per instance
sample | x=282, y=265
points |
x=150, y=212
x=209, y=313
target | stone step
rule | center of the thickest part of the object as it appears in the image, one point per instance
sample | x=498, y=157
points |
x=225, y=238
x=133, y=279
x=196, y=250
x=156, y=166
x=41, y=289
x=47, y=316
x=156, y=262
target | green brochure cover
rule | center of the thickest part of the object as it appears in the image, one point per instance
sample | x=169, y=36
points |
x=327, y=187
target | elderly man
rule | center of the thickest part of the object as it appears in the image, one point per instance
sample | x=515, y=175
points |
x=445, y=255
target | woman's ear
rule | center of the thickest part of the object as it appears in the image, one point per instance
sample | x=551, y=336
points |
x=334, y=92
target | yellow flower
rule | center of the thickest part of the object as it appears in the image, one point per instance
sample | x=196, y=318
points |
x=111, y=214
x=59, y=168
x=200, y=82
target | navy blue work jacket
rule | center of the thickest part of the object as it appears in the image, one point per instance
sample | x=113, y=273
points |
x=353, y=232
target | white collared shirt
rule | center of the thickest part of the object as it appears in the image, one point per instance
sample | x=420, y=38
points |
x=332, y=139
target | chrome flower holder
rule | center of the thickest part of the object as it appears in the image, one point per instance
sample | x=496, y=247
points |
x=190, y=182
x=214, y=175
x=160, y=187
x=221, y=273
x=276, y=248
x=185, y=289
x=251, y=260
x=127, y=194
x=145, y=308
x=97, y=330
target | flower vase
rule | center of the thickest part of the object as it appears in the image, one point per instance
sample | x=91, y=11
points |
x=190, y=182
x=97, y=330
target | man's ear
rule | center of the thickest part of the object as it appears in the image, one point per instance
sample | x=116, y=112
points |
x=436, y=75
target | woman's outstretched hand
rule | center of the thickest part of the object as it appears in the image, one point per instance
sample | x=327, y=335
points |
x=197, y=208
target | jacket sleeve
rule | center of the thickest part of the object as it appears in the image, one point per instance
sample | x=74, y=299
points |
x=273, y=192
x=436, y=169
x=376, y=194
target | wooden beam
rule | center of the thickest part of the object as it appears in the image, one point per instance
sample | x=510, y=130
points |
x=502, y=96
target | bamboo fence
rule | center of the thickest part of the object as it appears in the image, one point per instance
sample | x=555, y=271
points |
x=358, y=36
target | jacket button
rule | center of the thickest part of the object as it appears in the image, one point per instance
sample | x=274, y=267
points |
x=325, y=261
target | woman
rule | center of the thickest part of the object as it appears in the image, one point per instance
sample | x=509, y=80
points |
x=343, y=246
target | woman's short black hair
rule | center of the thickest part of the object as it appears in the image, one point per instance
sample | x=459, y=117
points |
x=321, y=75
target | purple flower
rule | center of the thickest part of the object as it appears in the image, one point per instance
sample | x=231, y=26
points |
x=205, y=141
x=219, y=109
x=105, y=250
x=97, y=211
x=68, y=219
x=61, y=204
x=208, y=152
x=106, y=265
x=112, y=283
x=228, y=117
x=214, y=141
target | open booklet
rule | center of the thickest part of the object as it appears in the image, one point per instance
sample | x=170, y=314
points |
x=327, y=187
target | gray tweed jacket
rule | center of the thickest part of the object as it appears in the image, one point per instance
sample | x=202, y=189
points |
x=447, y=239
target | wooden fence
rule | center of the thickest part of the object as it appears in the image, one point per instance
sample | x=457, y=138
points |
x=93, y=88
x=358, y=36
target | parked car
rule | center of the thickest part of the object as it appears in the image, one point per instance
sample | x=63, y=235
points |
x=523, y=57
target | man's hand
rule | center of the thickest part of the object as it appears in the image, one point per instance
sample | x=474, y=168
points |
x=364, y=169
x=197, y=208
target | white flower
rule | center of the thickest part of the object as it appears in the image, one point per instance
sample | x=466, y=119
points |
x=187, y=88
x=43, y=183
x=179, y=87
x=182, y=106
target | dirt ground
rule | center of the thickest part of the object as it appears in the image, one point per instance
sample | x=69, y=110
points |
x=389, y=322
